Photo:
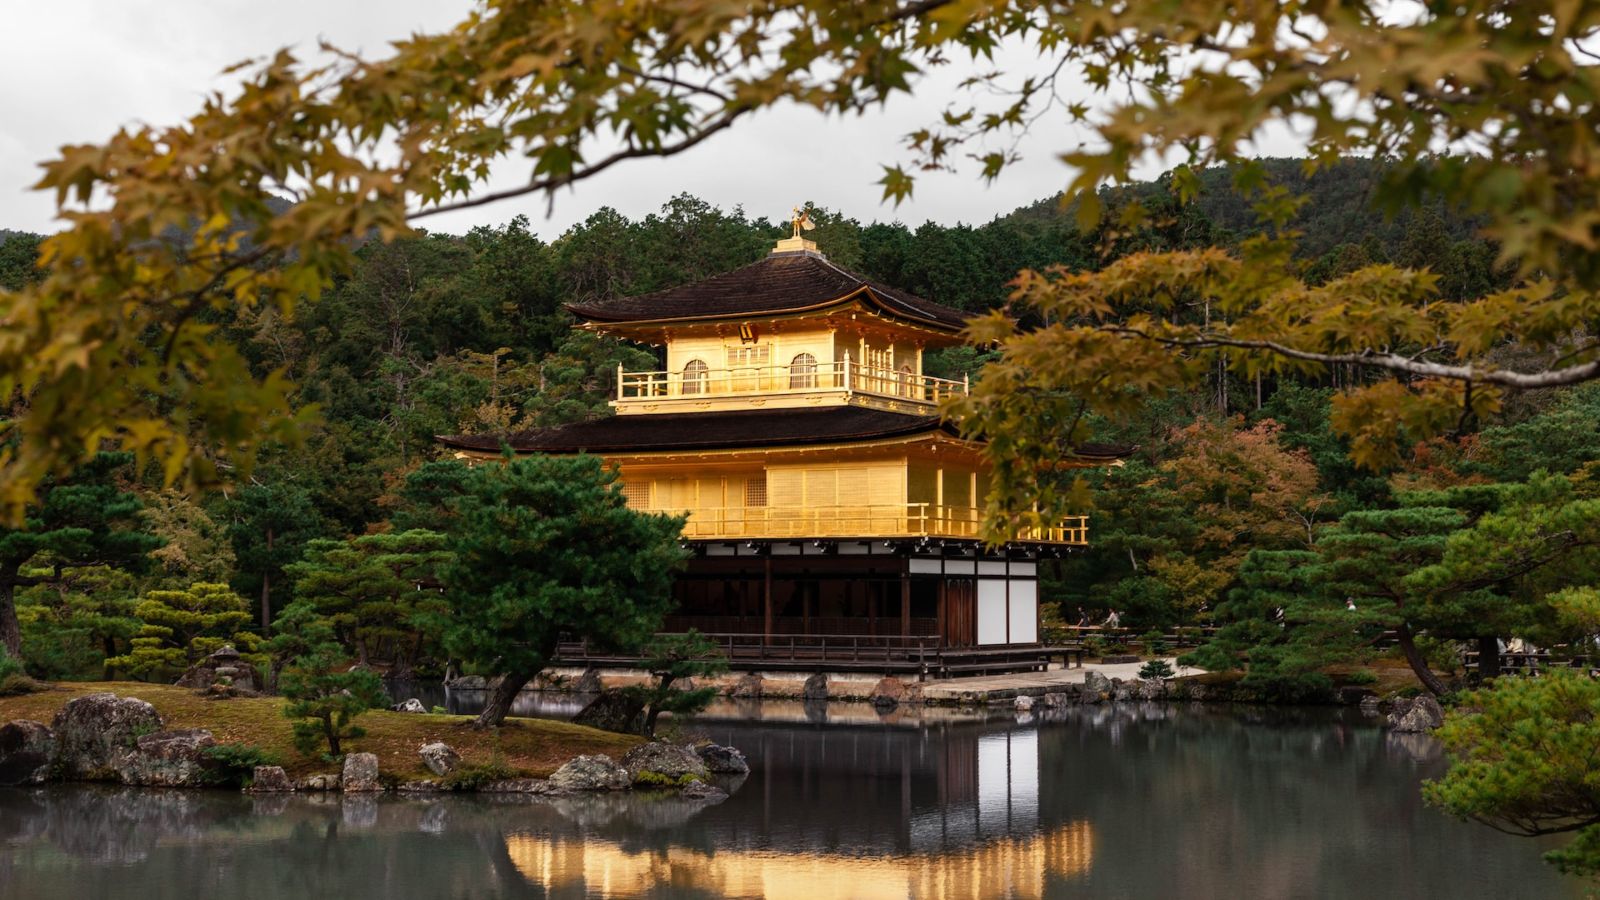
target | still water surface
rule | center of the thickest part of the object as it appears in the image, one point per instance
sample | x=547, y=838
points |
x=1093, y=802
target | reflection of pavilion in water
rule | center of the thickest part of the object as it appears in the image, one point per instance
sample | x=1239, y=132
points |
x=951, y=815
x=1010, y=867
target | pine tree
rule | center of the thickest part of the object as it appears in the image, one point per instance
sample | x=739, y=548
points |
x=83, y=520
x=546, y=548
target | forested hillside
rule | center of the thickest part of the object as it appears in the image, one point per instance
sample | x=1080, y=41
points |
x=463, y=333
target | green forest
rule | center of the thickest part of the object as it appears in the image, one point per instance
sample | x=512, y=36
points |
x=1240, y=508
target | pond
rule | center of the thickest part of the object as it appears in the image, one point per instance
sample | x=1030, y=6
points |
x=1125, y=801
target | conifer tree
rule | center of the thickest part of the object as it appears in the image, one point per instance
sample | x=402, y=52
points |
x=546, y=548
x=85, y=519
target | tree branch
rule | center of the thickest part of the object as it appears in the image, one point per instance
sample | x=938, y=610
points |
x=550, y=184
x=1392, y=362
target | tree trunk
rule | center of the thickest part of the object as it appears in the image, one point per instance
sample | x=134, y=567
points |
x=1408, y=646
x=1488, y=656
x=501, y=696
x=10, y=628
x=266, y=588
x=109, y=644
x=655, y=705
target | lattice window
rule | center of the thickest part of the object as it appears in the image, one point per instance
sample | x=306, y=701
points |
x=755, y=490
x=637, y=494
x=803, y=371
x=695, y=376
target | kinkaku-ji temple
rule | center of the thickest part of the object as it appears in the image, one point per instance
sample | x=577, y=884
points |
x=833, y=517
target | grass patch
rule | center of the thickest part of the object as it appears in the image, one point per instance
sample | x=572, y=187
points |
x=523, y=748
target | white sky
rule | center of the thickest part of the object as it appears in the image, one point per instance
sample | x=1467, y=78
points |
x=73, y=71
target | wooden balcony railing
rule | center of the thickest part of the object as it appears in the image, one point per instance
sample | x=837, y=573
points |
x=845, y=377
x=861, y=521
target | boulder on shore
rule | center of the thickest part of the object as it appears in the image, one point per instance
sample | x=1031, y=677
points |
x=591, y=773
x=751, y=685
x=26, y=748
x=360, y=773
x=588, y=682
x=174, y=758
x=270, y=780
x=1097, y=687
x=613, y=710
x=319, y=782
x=440, y=759
x=660, y=763
x=890, y=692
x=92, y=731
x=1416, y=716
x=815, y=688
x=413, y=705
x=722, y=760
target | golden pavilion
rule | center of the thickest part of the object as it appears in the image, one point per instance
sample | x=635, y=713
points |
x=832, y=515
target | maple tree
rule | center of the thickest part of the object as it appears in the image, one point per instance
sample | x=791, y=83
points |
x=168, y=224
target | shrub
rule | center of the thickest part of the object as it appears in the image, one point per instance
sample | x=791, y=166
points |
x=472, y=777
x=13, y=679
x=236, y=763
x=1156, y=668
x=1361, y=676
x=325, y=701
x=1154, y=642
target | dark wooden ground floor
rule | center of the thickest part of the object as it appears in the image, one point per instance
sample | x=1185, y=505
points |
x=868, y=606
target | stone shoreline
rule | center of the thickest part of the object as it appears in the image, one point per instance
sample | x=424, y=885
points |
x=105, y=738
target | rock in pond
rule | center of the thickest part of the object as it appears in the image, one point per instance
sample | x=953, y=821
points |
x=174, y=758
x=1416, y=716
x=25, y=751
x=517, y=786
x=722, y=760
x=699, y=790
x=92, y=731
x=439, y=758
x=1022, y=703
x=663, y=764
x=591, y=773
x=360, y=773
x=412, y=705
x=270, y=780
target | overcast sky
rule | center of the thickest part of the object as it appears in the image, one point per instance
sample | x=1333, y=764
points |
x=75, y=70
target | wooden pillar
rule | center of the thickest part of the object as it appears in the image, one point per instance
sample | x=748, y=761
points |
x=767, y=599
x=905, y=601
x=944, y=595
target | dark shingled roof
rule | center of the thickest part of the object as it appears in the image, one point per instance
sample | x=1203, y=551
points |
x=708, y=431
x=727, y=431
x=781, y=283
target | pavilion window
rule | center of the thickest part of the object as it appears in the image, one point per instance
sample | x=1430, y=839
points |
x=803, y=371
x=696, y=377
x=755, y=490
x=637, y=494
x=907, y=380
